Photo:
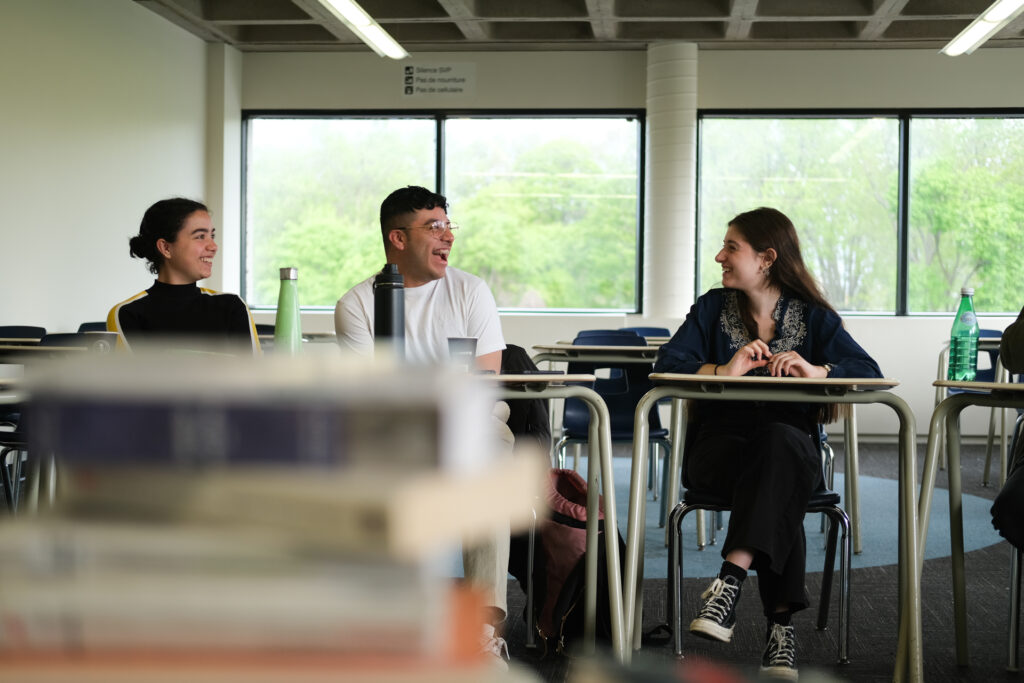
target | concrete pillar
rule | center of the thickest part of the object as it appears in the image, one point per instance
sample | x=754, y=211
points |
x=224, y=161
x=671, y=183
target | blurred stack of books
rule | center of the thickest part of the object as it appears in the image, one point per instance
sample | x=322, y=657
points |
x=267, y=520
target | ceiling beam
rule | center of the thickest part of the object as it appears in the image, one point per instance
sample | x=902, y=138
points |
x=463, y=17
x=1015, y=29
x=601, y=22
x=880, y=21
x=741, y=19
x=188, y=14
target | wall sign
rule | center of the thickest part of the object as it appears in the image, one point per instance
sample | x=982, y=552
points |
x=438, y=79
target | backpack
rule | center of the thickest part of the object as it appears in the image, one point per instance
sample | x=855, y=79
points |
x=528, y=417
x=559, y=570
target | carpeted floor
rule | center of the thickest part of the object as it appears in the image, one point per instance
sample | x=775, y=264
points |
x=873, y=611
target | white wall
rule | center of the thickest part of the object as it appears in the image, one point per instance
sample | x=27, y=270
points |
x=860, y=78
x=102, y=114
x=502, y=80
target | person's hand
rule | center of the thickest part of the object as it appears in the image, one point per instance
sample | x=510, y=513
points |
x=756, y=354
x=792, y=364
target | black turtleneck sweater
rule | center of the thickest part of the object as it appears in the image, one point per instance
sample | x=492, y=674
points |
x=186, y=316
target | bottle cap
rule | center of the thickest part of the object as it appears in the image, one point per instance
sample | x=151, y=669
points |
x=389, y=275
x=289, y=273
x=967, y=291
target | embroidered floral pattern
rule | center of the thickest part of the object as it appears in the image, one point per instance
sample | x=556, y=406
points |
x=794, y=325
x=732, y=323
x=793, y=313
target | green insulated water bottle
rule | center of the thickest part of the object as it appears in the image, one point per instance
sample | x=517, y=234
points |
x=963, y=340
x=287, y=326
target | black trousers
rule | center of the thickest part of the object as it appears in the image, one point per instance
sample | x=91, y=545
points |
x=769, y=470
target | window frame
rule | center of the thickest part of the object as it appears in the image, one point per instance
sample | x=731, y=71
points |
x=904, y=117
x=440, y=116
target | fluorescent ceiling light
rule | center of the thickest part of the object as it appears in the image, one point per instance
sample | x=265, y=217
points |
x=1001, y=13
x=368, y=30
x=1004, y=9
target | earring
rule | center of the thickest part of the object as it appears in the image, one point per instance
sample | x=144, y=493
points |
x=766, y=271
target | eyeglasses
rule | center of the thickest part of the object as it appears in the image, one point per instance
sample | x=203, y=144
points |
x=435, y=228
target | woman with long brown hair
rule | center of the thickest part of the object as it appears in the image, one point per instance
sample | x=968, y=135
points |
x=769, y=318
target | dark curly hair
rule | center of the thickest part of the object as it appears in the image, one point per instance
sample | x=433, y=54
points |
x=404, y=201
x=163, y=220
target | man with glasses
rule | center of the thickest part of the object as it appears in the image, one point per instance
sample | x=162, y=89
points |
x=440, y=302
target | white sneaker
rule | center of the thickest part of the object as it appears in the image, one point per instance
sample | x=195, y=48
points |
x=495, y=648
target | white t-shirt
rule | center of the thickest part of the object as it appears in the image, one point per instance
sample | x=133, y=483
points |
x=457, y=305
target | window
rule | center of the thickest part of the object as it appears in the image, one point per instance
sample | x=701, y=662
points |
x=835, y=178
x=966, y=212
x=549, y=206
x=313, y=193
x=876, y=246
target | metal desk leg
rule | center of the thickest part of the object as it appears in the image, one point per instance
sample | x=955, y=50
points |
x=852, y=477
x=600, y=460
x=593, y=496
x=673, y=474
x=1000, y=375
x=956, y=536
x=633, y=578
x=944, y=430
x=909, y=663
x=932, y=461
x=940, y=396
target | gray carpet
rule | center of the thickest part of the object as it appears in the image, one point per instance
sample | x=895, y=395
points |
x=873, y=608
x=879, y=498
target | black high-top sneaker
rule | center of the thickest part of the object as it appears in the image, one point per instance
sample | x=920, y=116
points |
x=718, y=614
x=779, y=658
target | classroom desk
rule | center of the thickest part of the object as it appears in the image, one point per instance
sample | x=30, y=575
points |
x=599, y=471
x=985, y=345
x=947, y=414
x=568, y=353
x=789, y=390
x=651, y=341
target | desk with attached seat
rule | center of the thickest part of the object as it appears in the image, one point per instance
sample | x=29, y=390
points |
x=945, y=422
x=788, y=390
x=600, y=480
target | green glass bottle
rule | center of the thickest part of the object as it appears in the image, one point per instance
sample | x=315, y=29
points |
x=963, y=340
x=287, y=325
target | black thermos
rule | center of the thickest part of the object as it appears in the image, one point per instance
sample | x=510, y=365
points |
x=389, y=309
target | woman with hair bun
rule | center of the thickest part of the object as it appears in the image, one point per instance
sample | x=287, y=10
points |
x=176, y=237
x=769, y=318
